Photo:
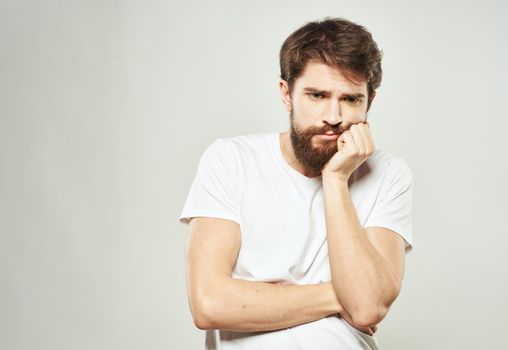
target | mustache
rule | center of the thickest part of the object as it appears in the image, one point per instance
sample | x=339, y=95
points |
x=336, y=129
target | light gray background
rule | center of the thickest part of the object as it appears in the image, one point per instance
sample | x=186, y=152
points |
x=106, y=107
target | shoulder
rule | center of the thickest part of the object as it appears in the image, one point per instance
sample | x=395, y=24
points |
x=231, y=152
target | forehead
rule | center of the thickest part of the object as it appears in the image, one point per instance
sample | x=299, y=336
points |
x=319, y=75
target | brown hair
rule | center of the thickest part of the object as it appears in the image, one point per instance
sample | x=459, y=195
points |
x=336, y=42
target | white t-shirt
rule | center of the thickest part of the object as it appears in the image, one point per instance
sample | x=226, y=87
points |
x=281, y=216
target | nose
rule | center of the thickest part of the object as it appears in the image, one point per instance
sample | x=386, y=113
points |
x=332, y=114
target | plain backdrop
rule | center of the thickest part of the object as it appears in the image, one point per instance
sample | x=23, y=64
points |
x=106, y=107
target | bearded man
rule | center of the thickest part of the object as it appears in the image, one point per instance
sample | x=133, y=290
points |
x=297, y=239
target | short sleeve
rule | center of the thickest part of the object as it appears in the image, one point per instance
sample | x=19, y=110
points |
x=213, y=191
x=393, y=207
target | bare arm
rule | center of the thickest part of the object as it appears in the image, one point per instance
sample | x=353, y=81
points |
x=218, y=301
x=367, y=265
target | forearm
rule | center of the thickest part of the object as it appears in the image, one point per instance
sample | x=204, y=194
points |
x=239, y=305
x=362, y=279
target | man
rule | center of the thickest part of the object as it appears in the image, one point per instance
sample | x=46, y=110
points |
x=297, y=240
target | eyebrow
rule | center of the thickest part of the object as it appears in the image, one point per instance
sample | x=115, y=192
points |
x=324, y=92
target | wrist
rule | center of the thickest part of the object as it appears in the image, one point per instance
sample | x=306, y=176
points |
x=334, y=180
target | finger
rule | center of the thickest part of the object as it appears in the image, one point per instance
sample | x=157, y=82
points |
x=358, y=137
x=340, y=145
x=366, y=138
x=340, y=142
x=371, y=140
x=349, y=142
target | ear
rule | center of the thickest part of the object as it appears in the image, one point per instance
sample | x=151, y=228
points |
x=284, y=94
x=371, y=98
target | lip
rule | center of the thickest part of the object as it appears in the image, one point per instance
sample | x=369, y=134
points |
x=330, y=137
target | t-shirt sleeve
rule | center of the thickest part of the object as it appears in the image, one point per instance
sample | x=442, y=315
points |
x=393, y=207
x=213, y=192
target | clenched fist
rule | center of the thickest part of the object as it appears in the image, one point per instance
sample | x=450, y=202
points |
x=354, y=147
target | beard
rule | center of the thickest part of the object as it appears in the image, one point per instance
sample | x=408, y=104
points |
x=313, y=158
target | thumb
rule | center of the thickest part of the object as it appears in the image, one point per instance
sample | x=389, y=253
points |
x=340, y=145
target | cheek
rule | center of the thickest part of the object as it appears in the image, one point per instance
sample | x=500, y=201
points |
x=308, y=109
x=354, y=114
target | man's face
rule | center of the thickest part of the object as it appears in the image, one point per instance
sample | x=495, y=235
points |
x=322, y=102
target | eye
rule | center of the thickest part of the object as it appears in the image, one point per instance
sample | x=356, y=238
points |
x=353, y=100
x=316, y=95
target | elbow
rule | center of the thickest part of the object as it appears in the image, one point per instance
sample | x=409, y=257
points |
x=367, y=313
x=371, y=315
x=202, y=313
x=207, y=302
x=368, y=318
x=375, y=312
x=205, y=305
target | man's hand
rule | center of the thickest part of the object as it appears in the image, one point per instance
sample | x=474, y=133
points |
x=354, y=147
